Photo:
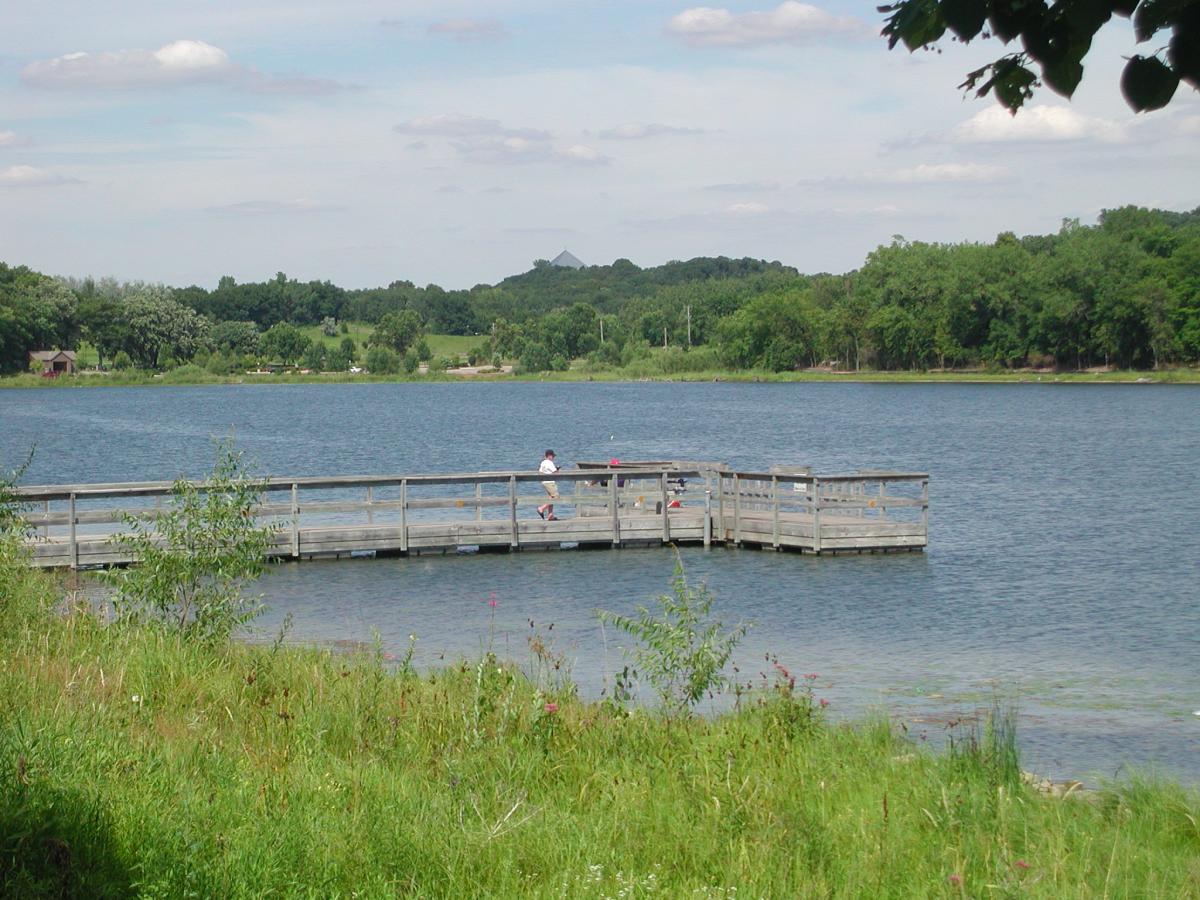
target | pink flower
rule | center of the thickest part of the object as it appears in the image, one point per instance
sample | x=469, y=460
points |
x=955, y=879
x=824, y=703
x=493, y=604
x=551, y=708
x=811, y=676
x=1021, y=864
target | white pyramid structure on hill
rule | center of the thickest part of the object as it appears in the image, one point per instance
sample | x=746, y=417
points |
x=568, y=260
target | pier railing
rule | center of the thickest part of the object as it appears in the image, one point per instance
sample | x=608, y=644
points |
x=74, y=525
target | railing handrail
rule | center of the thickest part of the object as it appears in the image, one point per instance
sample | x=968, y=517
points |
x=326, y=482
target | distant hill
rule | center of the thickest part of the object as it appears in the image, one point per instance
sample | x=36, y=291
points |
x=608, y=288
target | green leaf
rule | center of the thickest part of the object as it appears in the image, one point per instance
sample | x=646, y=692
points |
x=1184, y=55
x=1151, y=16
x=965, y=17
x=1012, y=82
x=1148, y=83
x=1009, y=18
x=917, y=23
x=1063, y=75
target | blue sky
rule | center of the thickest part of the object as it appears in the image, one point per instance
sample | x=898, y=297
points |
x=454, y=142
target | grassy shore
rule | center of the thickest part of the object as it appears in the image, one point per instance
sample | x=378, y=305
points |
x=195, y=375
x=135, y=762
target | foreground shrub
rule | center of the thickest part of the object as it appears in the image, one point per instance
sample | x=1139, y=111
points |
x=194, y=559
x=680, y=650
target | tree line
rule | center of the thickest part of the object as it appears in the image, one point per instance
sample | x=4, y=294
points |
x=1124, y=292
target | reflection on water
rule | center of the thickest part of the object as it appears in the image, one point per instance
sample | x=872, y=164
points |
x=1061, y=568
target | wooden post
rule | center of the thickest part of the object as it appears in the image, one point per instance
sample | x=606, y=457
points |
x=295, y=520
x=707, y=517
x=71, y=521
x=925, y=509
x=721, y=506
x=46, y=525
x=614, y=506
x=515, y=539
x=815, y=500
x=403, y=515
x=737, y=509
x=479, y=501
x=666, y=521
x=370, y=500
x=775, y=517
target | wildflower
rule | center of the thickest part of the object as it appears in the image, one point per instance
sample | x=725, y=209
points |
x=493, y=604
x=955, y=879
x=811, y=676
x=824, y=703
x=1021, y=864
x=551, y=708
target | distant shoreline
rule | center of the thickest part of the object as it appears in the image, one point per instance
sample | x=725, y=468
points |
x=1166, y=376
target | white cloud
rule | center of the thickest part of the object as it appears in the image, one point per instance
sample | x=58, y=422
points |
x=789, y=23
x=743, y=186
x=578, y=153
x=457, y=126
x=747, y=209
x=184, y=62
x=468, y=29
x=8, y=138
x=1034, y=124
x=637, y=131
x=271, y=207
x=938, y=173
x=481, y=140
x=31, y=176
x=1187, y=125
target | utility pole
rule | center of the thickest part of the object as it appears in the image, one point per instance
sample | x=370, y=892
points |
x=602, y=329
x=689, y=321
x=664, y=337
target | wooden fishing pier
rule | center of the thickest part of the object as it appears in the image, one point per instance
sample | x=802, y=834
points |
x=783, y=508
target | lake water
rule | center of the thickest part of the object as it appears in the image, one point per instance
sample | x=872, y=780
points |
x=1062, y=571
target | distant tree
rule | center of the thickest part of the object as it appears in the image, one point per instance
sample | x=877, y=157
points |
x=160, y=328
x=36, y=313
x=235, y=337
x=329, y=326
x=314, y=356
x=337, y=359
x=383, y=361
x=1055, y=37
x=397, y=331
x=284, y=342
x=103, y=325
x=348, y=347
x=411, y=361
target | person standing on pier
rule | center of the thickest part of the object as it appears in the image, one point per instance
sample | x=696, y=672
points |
x=548, y=467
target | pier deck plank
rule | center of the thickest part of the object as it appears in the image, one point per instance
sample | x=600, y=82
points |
x=670, y=504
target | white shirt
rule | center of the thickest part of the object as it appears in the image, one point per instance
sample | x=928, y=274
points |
x=547, y=467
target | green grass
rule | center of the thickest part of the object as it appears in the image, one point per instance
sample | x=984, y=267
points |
x=439, y=344
x=360, y=331
x=134, y=762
